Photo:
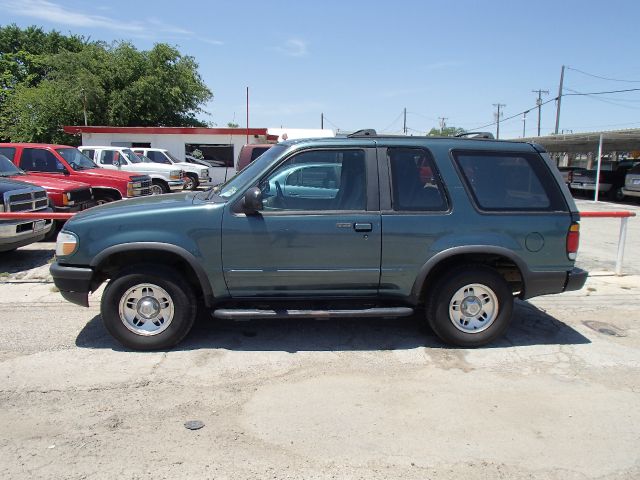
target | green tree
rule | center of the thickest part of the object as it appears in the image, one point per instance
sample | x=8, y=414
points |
x=232, y=125
x=446, y=132
x=48, y=80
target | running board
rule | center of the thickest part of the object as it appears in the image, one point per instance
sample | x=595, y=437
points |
x=249, y=314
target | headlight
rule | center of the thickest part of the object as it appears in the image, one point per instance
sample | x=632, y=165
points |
x=66, y=199
x=175, y=174
x=66, y=244
x=204, y=173
x=1, y=207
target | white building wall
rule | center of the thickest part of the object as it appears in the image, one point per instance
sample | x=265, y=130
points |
x=172, y=142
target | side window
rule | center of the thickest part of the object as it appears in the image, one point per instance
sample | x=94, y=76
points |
x=157, y=157
x=507, y=181
x=318, y=180
x=414, y=181
x=256, y=152
x=88, y=153
x=8, y=152
x=107, y=157
x=40, y=160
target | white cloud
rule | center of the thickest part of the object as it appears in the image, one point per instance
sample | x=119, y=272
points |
x=211, y=41
x=294, y=47
x=56, y=13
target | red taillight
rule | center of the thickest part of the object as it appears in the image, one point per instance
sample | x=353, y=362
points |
x=573, y=240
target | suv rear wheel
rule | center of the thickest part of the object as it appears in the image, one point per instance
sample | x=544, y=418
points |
x=148, y=308
x=470, y=306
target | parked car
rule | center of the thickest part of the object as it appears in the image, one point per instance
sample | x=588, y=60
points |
x=194, y=175
x=64, y=195
x=248, y=153
x=164, y=178
x=67, y=163
x=612, y=179
x=632, y=182
x=18, y=196
x=567, y=173
x=494, y=222
x=305, y=181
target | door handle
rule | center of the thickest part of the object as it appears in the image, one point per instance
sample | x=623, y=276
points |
x=362, y=227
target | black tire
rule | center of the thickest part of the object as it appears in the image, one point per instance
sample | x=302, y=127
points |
x=161, y=186
x=439, y=301
x=193, y=182
x=616, y=194
x=101, y=200
x=180, y=295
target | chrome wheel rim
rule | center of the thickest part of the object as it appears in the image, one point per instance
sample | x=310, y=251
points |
x=473, y=308
x=156, y=190
x=189, y=184
x=146, y=309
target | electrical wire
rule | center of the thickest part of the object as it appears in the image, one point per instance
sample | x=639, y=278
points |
x=604, y=100
x=329, y=121
x=601, y=77
x=391, y=124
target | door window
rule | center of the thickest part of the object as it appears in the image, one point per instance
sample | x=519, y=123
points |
x=317, y=180
x=40, y=160
x=414, y=180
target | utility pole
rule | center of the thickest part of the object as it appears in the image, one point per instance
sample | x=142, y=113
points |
x=524, y=124
x=322, y=121
x=498, y=115
x=443, y=123
x=539, y=104
x=405, y=120
x=84, y=106
x=247, y=114
x=559, y=99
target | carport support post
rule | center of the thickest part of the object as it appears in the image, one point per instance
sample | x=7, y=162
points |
x=598, y=170
x=621, y=242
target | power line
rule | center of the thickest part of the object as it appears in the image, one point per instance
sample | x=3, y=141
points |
x=329, y=121
x=601, y=77
x=610, y=102
x=603, y=93
x=391, y=124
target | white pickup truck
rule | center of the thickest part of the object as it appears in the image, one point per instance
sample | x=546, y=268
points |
x=195, y=175
x=164, y=178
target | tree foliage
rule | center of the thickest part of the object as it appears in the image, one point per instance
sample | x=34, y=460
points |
x=48, y=80
x=446, y=132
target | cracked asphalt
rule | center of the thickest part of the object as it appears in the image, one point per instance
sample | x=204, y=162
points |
x=557, y=398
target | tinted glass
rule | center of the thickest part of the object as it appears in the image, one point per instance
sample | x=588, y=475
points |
x=40, y=160
x=76, y=159
x=414, y=181
x=7, y=168
x=256, y=152
x=509, y=181
x=157, y=157
x=8, y=152
x=318, y=180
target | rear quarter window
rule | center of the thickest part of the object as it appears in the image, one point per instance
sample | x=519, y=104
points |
x=509, y=181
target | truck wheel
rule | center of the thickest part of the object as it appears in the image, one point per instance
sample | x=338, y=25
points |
x=616, y=194
x=191, y=182
x=158, y=187
x=104, y=199
x=148, y=308
x=471, y=306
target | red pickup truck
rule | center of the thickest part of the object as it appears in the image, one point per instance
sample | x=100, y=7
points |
x=62, y=162
x=64, y=195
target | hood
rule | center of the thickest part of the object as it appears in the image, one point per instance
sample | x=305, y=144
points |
x=136, y=206
x=154, y=167
x=51, y=184
x=106, y=173
x=8, y=184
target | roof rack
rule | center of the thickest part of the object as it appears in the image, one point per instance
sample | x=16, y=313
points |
x=487, y=135
x=367, y=132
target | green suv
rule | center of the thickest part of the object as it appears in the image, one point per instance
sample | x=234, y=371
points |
x=361, y=226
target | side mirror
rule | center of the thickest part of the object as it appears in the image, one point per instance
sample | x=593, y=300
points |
x=252, y=201
x=116, y=163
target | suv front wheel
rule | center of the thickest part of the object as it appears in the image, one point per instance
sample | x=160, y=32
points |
x=470, y=306
x=148, y=308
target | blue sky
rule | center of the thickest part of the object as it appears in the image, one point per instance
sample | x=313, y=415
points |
x=362, y=62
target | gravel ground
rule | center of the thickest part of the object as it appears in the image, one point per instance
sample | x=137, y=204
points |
x=557, y=398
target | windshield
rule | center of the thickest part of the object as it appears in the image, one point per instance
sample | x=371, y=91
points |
x=7, y=168
x=75, y=159
x=131, y=156
x=173, y=159
x=247, y=173
x=142, y=158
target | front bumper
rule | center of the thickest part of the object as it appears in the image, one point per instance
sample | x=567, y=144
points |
x=176, y=185
x=18, y=233
x=74, y=283
x=630, y=193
